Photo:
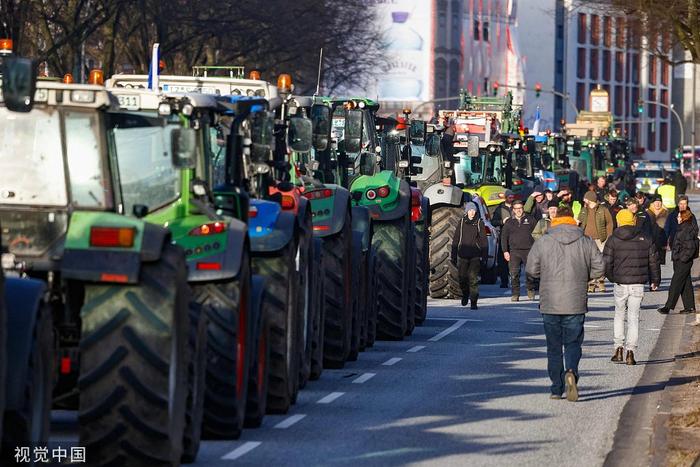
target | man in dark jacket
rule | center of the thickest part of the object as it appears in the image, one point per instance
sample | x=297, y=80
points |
x=680, y=182
x=613, y=204
x=516, y=240
x=631, y=259
x=564, y=260
x=503, y=212
x=672, y=220
x=469, y=248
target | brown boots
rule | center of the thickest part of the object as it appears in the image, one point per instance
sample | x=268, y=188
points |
x=617, y=357
x=630, y=358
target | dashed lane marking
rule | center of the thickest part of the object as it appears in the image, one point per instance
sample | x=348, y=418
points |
x=241, y=450
x=416, y=348
x=330, y=398
x=363, y=378
x=289, y=421
x=457, y=319
x=392, y=361
x=448, y=331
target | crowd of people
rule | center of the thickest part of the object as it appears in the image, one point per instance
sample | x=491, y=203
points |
x=568, y=247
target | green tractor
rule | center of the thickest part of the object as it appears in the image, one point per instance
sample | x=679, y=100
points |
x=110, y=283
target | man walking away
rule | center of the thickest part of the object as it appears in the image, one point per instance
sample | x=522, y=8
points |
x=516, y=241
x=469, y=248
x=597, y=224
x=564, y=260
x=503, y=212
x=631, y=259
x=543, y=224
x=684, y=250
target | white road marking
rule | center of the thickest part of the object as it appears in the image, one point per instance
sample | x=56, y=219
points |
x=330, y=398
x=457, y=319
x=241, y=450
x=392, y=361
x=363, y=378
x=653, y=329
x=591, y=326
x=289, y=421
x=416, y=348
x=448, y=331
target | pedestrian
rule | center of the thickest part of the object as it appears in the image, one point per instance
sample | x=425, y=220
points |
x=672, y=220
x=567, y=199
x=564, y=260
x=469, y=248
x=503, y=212
x=516, y=241
x=612, y=203
x=543, y=224
x=597, y=224
x=548, y=195
x=642, y=200
x=536, y=205
x=680, y=182
x=641, y=217
x=684, y=250
x=601, y=189
x=658, y=215
x=631, y=260
x=668, y=193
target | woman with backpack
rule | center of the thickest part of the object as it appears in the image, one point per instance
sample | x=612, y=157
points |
x=469, y=247
x=684, y=250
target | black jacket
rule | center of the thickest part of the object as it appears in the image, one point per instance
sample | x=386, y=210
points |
x=672, y=224
x=517, y=235
x=613, y=209
x=470, y=239
x=631, y=257
x=501, y=214
x=685, y=242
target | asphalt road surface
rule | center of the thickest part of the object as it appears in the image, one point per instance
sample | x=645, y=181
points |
x=467, y=388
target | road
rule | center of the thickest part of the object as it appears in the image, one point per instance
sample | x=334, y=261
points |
x=467, y=388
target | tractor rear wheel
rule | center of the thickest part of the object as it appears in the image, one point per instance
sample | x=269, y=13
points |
x=393, y=265
x=196, y=381
x=227, y=305
x=371, y=298
x=421, y=297
x=443, y=274
x=133, y=366
x=337, y=265
x=317, y=321
x=308, y=303
x=281, y=280
x=259, y=369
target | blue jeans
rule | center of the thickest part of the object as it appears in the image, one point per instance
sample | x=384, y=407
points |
x=563, y=331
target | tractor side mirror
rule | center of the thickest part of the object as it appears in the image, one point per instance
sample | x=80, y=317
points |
x=183, y=142
x=321, y=126
x=432, y=145
x=261, y=134
x=417, y=131
x=19, y=83
x=353, y=131
x=299, y=134
x=473, y=146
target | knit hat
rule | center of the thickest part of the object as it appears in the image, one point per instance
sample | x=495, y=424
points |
x=590, y=196
x=553, y=204
x=625, y=217
x=470, y=206
x=655, y=198
x=508, y=193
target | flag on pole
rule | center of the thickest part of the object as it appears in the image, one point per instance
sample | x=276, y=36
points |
x=536, y=125
x=154, y=68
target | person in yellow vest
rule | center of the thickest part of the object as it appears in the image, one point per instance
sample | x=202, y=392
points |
x=567, y=199
x=668, y=194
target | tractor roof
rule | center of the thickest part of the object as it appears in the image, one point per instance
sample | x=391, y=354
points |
x=145, y=99
x=216, y=85
x=55, y=93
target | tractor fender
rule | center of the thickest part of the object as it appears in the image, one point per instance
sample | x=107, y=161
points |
x=229, y=260
x=341, y=204
x=362, y=224
x=23, y=298
x=281, y=233
x=444, y=195
x=403, y=208
x=426, y=210
x=303, y=211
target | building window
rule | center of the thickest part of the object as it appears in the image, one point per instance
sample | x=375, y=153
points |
x=652, y=107
x=454, y=82
x=652, y=69
x=593, y=73
x=665, y=69
x=633, y=100
x=456, y=25
x=619, y=66
x=663, y=137
x=581, y=96
x=442, y=23
x=618, y=100
x=634, y=135
x=606, y=65
x=560, y=31
x=607, y=31
x=581, y=63
x=582, y=29
x=620, y=33
x=651, y=137
x=440, y=78
x=560, y=66
x=595, y=29
x=664, y=100
x=485, y=31
x=635, y=69
x=476, y=30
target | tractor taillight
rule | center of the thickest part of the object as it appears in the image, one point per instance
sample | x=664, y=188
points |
x=321, y=228
x=253, y=212
x=208, y=229
x=371, y=195
x=112, y=237
x=318, y=194
x=209, y=266
x=383, y=191
x=287, y=202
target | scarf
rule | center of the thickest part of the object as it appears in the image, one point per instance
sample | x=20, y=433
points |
x=565, y=220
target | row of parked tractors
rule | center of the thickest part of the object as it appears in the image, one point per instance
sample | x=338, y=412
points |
x=182, y=254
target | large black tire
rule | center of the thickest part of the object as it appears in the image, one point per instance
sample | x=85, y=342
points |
x=259, y=370
x=422, y=265
x=357, y=311
x=363, y=300
x=443, y=274
x=411, y=280
x=391, y=240
x=282, y=281
x=372, y=296
x=227, y=305
x=309, y=276
x=317, y=322
x=133, y=366
x=337, y=265
x=196, y=381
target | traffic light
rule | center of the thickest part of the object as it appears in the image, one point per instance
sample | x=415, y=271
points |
x=495, y=88
x=538, y=89
x=640, y=107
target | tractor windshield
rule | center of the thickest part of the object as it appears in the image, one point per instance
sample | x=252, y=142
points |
x=482, y=169
x=145, y=161
x=31, y=158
